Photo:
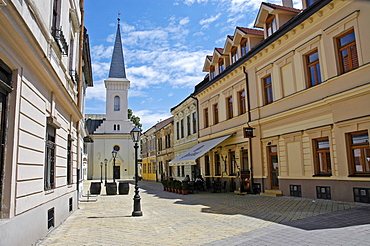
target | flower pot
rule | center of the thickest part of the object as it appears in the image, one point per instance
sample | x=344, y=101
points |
x=95, y=188
x=123, y=188
x=111, y=188
x=184, y=192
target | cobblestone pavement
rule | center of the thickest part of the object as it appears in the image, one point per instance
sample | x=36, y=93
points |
x=212, y=219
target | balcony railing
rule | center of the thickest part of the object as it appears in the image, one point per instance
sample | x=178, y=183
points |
x=74, y=76
x=60, y=39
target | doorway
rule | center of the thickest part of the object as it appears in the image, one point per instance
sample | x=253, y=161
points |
x=117, y=172
x=274, y=167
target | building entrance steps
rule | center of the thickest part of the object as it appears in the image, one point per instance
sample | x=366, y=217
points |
x=272, y=193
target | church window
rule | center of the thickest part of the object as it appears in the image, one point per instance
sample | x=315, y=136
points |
x=117, y=103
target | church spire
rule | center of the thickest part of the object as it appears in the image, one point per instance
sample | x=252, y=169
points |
x=117, y=66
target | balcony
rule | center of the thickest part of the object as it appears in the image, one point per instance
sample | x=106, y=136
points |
x=60, y=39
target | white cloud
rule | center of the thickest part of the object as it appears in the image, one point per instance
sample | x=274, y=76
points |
x=206, y=22
x=149, y=118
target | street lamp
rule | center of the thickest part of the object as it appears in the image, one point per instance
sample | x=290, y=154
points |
x=101, y=172
x=114, y=155
x=105, y=161
x=135, y=134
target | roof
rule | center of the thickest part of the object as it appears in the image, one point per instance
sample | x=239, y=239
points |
x=275, y=6
x=92, y=125
x=117, y=66
x=220, y=50
x=250, y=30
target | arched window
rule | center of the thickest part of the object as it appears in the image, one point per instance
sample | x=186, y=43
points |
x=118, y=127
x=116, y=103
x=114, y=127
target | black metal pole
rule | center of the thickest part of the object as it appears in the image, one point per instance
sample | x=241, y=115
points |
x=101, y=172
x=114, y=168
x=137, y=207
x=105, y=174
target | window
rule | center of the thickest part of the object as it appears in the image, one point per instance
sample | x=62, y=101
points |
x=5, y=88
x=229, y=108
x=267, y=88
x=182, y=128
x=116, y=103
x=215, y=113
x=56, y=18
x=347, y=52
x=313, y=68
x=159, y=144
x=360, y=152
x=207, y=165
x=188, y=125
x=183, y=171
x=322, y=156
x=212, y=72
x=232, y=163
x=221, y=65
x=242, y=107
x=244, y=46
x=206, y=118
x=49, y=176
x=234, y=54
x=69, y=160
x=118, y=127
x=217, y=165
x=51, y=218
x=271, y=25
x=244, y=162
x=178, y=171
x=177, y=130
x=194, y=122
x=168, y=140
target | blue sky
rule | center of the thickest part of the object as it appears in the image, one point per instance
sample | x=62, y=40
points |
x=165, y=43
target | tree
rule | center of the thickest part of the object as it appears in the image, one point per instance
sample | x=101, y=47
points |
x=135, y=119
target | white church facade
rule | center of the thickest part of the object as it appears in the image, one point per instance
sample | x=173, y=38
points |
x=111, y=131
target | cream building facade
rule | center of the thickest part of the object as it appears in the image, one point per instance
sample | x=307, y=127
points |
x=185, y=137
x=302, y=85
x=44, y=70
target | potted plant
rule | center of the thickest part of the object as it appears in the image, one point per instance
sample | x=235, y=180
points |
x=164, y=183
x=178, y=187
x=185, y=187
x=170, y=185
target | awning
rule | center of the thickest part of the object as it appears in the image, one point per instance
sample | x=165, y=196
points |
x=189, y=157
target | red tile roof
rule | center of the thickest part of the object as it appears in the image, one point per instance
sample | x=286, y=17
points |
x=250, y=30
x=275, y=6
x=220, y=50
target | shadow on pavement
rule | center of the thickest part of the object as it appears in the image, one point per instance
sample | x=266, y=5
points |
x=303, y=213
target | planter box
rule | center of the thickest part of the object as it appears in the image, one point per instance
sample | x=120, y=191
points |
x=111, y=188
x=95, y=188
x=123, y=188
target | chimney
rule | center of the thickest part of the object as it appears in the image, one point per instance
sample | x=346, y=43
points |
x=288, y=3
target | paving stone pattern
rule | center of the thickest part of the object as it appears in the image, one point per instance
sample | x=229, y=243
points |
x=212, y=219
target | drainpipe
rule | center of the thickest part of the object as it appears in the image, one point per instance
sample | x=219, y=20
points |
x=250, y=154
x=79, y=98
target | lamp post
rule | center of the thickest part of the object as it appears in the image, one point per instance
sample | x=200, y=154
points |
x=135, y=134
x=114, y=155
x=101, y=172
x=105, y=161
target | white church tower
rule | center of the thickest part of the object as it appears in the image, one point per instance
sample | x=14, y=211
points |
x=112, y=130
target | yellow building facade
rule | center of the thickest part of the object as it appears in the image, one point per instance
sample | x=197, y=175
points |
x=302, y=85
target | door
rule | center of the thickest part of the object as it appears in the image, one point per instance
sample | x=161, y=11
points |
x=274, y=167
x=117, y=172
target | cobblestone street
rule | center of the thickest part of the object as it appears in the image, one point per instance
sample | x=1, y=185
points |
x=212, y=219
